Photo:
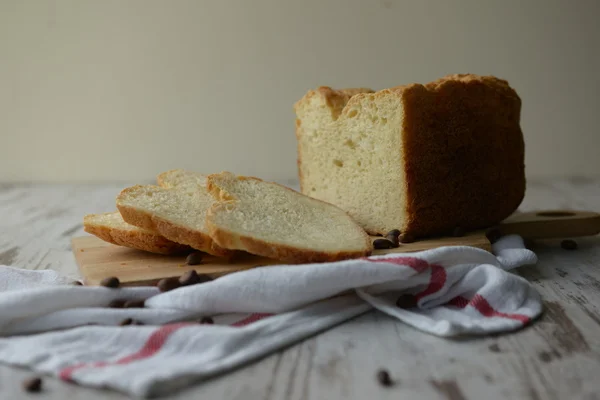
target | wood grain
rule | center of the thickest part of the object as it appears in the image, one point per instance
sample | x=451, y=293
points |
x=556, y=358
x=97, y=260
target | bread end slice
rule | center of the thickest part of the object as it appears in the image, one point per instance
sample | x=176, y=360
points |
x=111, y=228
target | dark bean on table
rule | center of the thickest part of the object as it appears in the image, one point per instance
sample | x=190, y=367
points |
x=166, y=284
x=207, y=320
x=110, y=282
x=137, y=303
x=32, y=385
x=406, y=238
x=394, y=232
x=117, y=303
x=382, y=244
x=189, y=278
x=406, y=301
x=383, y=376
x=568, y=244
x=194, y=258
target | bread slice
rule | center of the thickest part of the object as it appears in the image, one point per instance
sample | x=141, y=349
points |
x=424, y=159
x=182, y=179
x=111, y=228
x=177, y=214
x=274, y=221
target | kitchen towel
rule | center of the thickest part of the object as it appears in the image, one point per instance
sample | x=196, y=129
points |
x=67, y=331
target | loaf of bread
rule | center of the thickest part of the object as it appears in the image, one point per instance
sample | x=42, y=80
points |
x=271, y=220
x=111, y=228
x=424, y=159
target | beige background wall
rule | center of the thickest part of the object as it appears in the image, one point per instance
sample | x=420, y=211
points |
x=122, y=89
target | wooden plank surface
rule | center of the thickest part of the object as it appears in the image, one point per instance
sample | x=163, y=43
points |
x=97, y=260
x=556, y=358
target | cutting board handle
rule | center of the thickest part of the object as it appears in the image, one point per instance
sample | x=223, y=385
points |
x=552, y=224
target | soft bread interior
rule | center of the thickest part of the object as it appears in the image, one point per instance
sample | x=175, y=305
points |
x=112, y=220
x=268, y=219
x=346, y=155
x=178, y=215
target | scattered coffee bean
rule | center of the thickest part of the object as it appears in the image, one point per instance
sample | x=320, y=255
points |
x=568, y=244
x=164, y=285
x=382, y=244
x=406, y=238
x=395, y=241
x=384, y=378
x=493, y=234
x=136, y=322
x=117, y=303
x=458, y=232
x=138, y=303
x=194, y=258
x=110, y=282
x=207, y=320
x=393, y=236
x=393, y=232
x=189, y=278
x=32, y=385
x=77, y=283
x=127, y=321
x=406, y=301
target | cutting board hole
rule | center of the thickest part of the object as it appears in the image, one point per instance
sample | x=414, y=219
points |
x=555, y=214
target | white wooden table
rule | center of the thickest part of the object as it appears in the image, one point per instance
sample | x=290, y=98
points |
x=558, y=357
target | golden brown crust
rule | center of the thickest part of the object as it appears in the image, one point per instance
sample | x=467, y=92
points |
x=463, y=150
x=335, y=100
x=277, y=251
x=463, y=133
x=171, y=231
x=139, y=240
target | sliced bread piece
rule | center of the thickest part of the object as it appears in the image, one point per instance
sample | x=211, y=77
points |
x=182, y=179
x=178, y=215
x=274, y=221
x=111, y=228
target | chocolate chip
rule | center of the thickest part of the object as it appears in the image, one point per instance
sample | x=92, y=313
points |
x=568, y=244
x=138, y=303
x=32, y=385
x=164, y=285
x=406, y=238
x=117, y=303
x=382, y=244
x=207, y=320
x=384, y=378
x=406, y=301
x=194, y=258
x=110, y=282
x=458, y=232
x=126, y=321
x=493, y=235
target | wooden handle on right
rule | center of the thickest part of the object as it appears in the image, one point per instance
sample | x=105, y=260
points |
x=552, y=224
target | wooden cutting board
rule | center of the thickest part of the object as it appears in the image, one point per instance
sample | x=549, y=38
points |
x=97, y=259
